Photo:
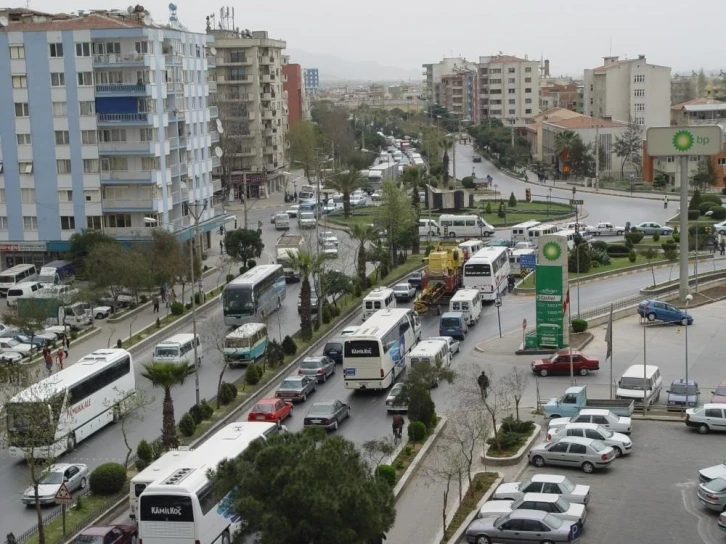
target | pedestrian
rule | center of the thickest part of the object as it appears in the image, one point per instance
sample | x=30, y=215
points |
x=163, y=293
x=221, y=247
x=483, y=382
x=49, y=365
x=66, y=343
x=235, y=223
x=665, y=202
x=155, y=302
x=722, y=247
x=59, y=357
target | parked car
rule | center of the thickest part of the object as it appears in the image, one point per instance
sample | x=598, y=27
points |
x=404, y=291
x=270, y=410
x=11, y=344
x=709, y=473
x=330, y=251
x=97, y=310
x=328, y=414
x=662, y=311
x=562, y=361
x=476, y=158
x=544, y=483
x=453, y=343
x=296, y=388
x=317, y=367
x=545, y=502
x=376, y=196
x=11, y=357
x=500, y=242
x=706, y=418
x=393, y=404
x=272, y=217
x=334, y=349
x=719, y=228
x=573, y=451
x=525, y=526
x=74, y=475
x=713, y=494
x=618, y=441
x=418, y=279
x=108, y=534
x=722, y=522
x=608, y=229
x=649, y=228
x=682, y=396
x=719, y=394
x=618, y=424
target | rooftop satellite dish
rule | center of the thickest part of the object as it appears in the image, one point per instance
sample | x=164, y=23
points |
x=220, y=129
x=213, y=50
x=219, y=123
x=172, y=6
x=147, y=20
x=218, y=151
x=3, y=21
x=149, y=220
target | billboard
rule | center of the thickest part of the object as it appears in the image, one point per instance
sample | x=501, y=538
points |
x=551, y=292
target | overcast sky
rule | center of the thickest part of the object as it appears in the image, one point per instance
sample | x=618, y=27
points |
x=573, y=34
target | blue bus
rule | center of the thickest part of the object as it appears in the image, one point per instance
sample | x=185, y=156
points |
x=246, y=343
x=253, y=295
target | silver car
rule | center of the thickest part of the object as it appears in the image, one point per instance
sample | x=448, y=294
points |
x=317, y=367
x=544, y=483
x=652, y=228
x=393, y=403
x=451, y=341
x=710, y=473
x=525, y=526
x=74, y=475
x=546, y=502
x=713, y=494
x=573, y=451
x=619, y=442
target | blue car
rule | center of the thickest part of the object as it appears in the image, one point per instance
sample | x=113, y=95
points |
x=653, y=310
x=453, y=324
x=682, y=396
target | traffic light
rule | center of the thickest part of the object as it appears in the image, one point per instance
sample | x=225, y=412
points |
x=528, y=194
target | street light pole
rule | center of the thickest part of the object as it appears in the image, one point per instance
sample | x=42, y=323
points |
x=196, y=214
x=689, y=298
x=577, y=249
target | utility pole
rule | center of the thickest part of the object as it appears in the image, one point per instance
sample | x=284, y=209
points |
x=597, y=157
x=196, y=214
x=244, y=199
x=453, y=156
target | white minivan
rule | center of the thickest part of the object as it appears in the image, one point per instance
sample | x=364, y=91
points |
x=428, y=226
x=23, y=289
x=381, y=298
x=468, y=302
x=640, y=382
x=434, y=353
x=178, y=349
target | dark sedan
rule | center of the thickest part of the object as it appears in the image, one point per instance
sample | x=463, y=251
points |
x=334, y=350
x=109, y=534
x=328, y=415
x=317, y=367
x=296, y=388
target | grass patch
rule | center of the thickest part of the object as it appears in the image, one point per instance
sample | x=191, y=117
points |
x=480, y=484
x=404, y=459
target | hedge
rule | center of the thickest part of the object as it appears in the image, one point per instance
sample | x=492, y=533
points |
x=108, y=479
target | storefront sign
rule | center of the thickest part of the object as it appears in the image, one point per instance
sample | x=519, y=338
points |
x=8, y=247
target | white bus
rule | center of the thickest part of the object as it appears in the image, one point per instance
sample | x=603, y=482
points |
x=381, y=298
x=71, y=405
x=182, y=507
x=376, y=353
x=16, y=274
x=488, y=271
x=307, y=192
x=515, y=260
x=253, y=295
x=459, y=226
x=470, y=247
x=534, y=233
x=169, y=461
x=519, y=232
x=468, y=302
x=568, y=234
x=177, y=349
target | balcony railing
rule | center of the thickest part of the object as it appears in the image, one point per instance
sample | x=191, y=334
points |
x=214, y=136
x=212, y=86
x=122, y=117
x=105, y=148
x=214, y=112
x=128, y=204
x=177, y=115
x=714, y=121
x=216, y=162
x=176, y=169
x=128, y=58
x=174, y=88
x=211, y=62
x=145, y=176
x=121, y=88
x=173, y=59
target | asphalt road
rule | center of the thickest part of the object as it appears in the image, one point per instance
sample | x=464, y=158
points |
x=650, y=495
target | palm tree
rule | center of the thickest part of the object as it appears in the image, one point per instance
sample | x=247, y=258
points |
x=362, y=234
x=346, y=182
x=565, y=143
x=446, y=144
x=167, y=376
x=307, y=264
x=412, y=178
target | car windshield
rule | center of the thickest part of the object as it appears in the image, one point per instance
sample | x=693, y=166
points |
x=598, y=446
x=166, y=352
x=311, y=364
x=633, y=383
x=88, y=539
x=52, y=478
x=334, y=347
x=290, y=383
x=562, y=504
x=12, y=342
x=321, y=410
x=682, y=389
x=717, y=484
x=721, y=391
x=401, y=287
x=450, y=322
x=396, y=389
x=263, y=408
x=605, y=432
x=552, y=521
x=567, y=485
x=238, y=301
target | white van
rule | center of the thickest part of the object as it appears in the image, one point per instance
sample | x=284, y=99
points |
x=282, y=221
x=470, y=247
x=640, y=382
x=515, y=260
x=428, y=226
x=534, y=233
x=435, y=353
x=468, y=302
x=519, y=232
x=178, y=349
x=23, y=289
x=453, y=226
x=570, y=235
x=16, y=274
x=381, y=298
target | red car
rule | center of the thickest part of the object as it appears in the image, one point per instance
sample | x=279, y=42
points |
x=108, y=534
x=560, y=364
x=270, y=410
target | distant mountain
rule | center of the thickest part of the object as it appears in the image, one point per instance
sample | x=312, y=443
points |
x=337, y=69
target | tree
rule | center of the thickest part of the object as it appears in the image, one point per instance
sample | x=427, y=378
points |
x=267, y=478
x=336, y=130
x=303, y=138
x=516, y=382
x=378, y=449
x=446, y=144
x=167, y=376
x=114, y=268
x=214, y=336
x=495, y=398
x=628, y=146
x=411, y=178
x=190, y=263
x=445, y=466
x=362, y=234
x=127, y=409
x=139, y=275
x=307, y=265
x=649, y=254
x=701, y=83
x=467, y=433
x=416, y=390
x=565, y=142
x=358, y=160
x=336, y=284
x=166, y=256
x=29, y=318
x=243, y=245
x=81, y=244
x=395, y=214
x=705, y=175
x=346, y=182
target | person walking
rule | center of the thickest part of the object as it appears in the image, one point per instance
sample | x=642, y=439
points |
x=722, y=247
x=155, y=302
x=221, y=247
x=162, y=292
x=66, y=343
x=665, y=202
x=48, y=358
x=59, y=357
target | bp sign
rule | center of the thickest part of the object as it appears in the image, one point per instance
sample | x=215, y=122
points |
x=684, y=141
x=551, y=292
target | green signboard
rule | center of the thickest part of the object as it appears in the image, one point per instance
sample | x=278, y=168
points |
x=549, y=304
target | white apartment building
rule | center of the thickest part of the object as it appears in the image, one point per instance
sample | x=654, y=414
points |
x=621, y=90
x=508, y=89
x=253, y=108
x=434, y=72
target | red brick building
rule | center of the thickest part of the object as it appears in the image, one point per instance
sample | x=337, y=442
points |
x=293, y=87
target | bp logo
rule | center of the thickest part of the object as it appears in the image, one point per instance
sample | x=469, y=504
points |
x=683, y=140
x=551, y=251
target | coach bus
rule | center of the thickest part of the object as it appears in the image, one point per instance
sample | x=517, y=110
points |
x=253, y=295
x=488, y=271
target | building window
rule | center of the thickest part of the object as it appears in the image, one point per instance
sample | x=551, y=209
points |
x=110, y=164
x=89, y=137
x=147, y=134
x=57, y=79
x=512, y=101
x=65, y=195
x=511, y=80
x=511, y=70
x=670, y=158
x=528, y=89
x=90, y=166
x=59, y=109
x=721, y=161
x=695, y=158
x=25, y=167
x=68, y=222
x=149, y=163
x=639, y=78
x=20, y=82
x=512, y=91
x=495, y=71
x=639, y=107
x=2, y=196
x=114, y=77
x=30, y=222
x=27, y=196
x=528, y=80
x=62, y=137
x=527, y=100
x=17, y=51
x=512, y=112
x=3, y=223
x=495, y=91
x=143, y=47
x=528, y=69
x=108, y=48
x=56, y=49
x=23, y=139
x=528, y=111
x=495, y=81
x=85, y=79
x=92, y=195
x=93, y=222
x=88, y=108
x=640, y=120
x=639, y=92
x=63, y=166
x=22, y=109
x=83, y=49
x=117, y=192
x=112, y=135
x=118, y=220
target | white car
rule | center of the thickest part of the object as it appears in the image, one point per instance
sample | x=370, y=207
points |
x=376, y=196
x=582, y=228
x=357, y=201
x=307, y=220
x=453, y=343
x=347, y=331
x=11, y=344
x=404, y=291
x=608, y=229
x=599, y=416
x=720, y=228
x=391, y=400
x=707, y=474
x=330, y=250
x=618, y=441
x=73, y=475
x=327, y=237
x=544, y=483
x=292, y=210
x=547, y=502
x=10, y=357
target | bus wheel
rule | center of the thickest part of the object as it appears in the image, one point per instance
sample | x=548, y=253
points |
x=225, y=538
x=70, y=443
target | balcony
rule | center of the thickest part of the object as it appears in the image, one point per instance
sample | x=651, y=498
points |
x=214, y=135
x=127, y=59
x=248, y=152
x=179, y=196
x=177, y=115
x=238, y=80
x=216, y=185
x=172, y=59
x=214, y=112
x=269, y=131
x=123, y=89
x=176, y=170
x=234, y=61
x=212, y=86
x=266, y=97
x=216, y=162
x=265, y=60
x=211, y=62
x=174, y=88
x=143, y=177
x=270, y=167
x=267, y=78
x=126, y=148
x=270, y=149
x=124, y=118
x=269, y=115
x=177, y=141
x=135, y=204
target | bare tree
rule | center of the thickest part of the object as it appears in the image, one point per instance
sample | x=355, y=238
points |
x=130, y=408
x=467, y=432
x=495, y=399
x=446, y=466
x=516, y=382
x=111, y=333
x=378, y=449
x=214, y=336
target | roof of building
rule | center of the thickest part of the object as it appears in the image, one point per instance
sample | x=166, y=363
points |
x=508, y=58
x=68, y=22
x=584, y=121
x=622, y=62
x=713, y=106
x=695, y=102
x=551, y=115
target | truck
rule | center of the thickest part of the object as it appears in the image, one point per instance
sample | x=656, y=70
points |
x=575, y=399
x=55, y=311
x=56, y=273
x=443, y=271
x=289, y=245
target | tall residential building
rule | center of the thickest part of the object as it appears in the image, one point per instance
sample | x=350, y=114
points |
x=508, y=89
x=253, y=108
x=311, y=76
x=104, y=126
x=433, y=73
x=621, y=90
x=459, y=94
x=683, y=89
x=294, y=93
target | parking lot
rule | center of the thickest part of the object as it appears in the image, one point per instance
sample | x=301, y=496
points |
x=650, y=495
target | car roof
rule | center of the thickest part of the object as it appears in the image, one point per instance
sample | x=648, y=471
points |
x=682, y=381
x=268, y=401
x=580, y=426
x=541, y=497
x=323, y=403
x=566, y=351
x=594, y=412
x=298, y=378
x=58, y=467
x=578, y=440
x=528, y=514
x=315, y=358
x=98, y=531
x=549, y=478
x=714, y=405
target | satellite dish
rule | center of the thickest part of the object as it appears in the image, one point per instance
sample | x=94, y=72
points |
x=218, y=151
x=147, y=20
x=149, y=220
x=172, y=6
x=213, y=50
x=219, y=123
x=3, y=21
x=220, y=129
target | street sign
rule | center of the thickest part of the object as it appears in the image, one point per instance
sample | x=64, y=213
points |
x=578, y=202
x=684, y=141
x=498, y=302
x=63, y=495
x=524, y=323
x=528, y=262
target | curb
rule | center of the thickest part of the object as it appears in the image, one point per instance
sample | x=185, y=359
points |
x=406, y=478
x=522, y=351
x=468, y=519
x=517, y=457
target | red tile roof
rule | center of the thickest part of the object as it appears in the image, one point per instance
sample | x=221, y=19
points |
x=586, y=122
x=86, y=22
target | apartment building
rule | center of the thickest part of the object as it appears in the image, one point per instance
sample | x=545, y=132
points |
x=683, y=88
x=433, y=74
x=508, y=89
x=253, y=108
x=627, y=89
x=294, y=92
x=459, y=94
x=311, y=76
x=105, y=126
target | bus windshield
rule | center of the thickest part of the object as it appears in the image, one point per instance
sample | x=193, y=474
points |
x=238, y=301
x=163, y=351
x=474, y=269
x=237, y=342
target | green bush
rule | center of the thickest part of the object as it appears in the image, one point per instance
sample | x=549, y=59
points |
x=600, y=245
x=187, y=425
x=140, y=465
x=334, y=311
x=512, y=200
x=242, y=269
x=289, y=347
x=669, y=246
x=505, y=440
x=229, y=277
x=488, y=208
x=719, y=212
x=703, y=207
x=616, y=250
x=467, y=182
x=629, y=243
x=158, y=323
x=326, y=314
x=595, y=264
x=693, y=215
x=253, y=374
x=632, y=256
x=398, y=464
x=416, y=431
x=232, y=388
x=656, y=236
x=228, y=391
x=579, y=325
x=599, y=257
x=357, y=290
x=579, y=261
x=198, y=298
x=145, y=452
x=509, y=424
x=676, y=237
x=275, y=355
x=196, y=413
x=107, y=479
x=177, y=308
x=712, y=198
x=251, y=264
x=188, y=306
x=635, y=236
x=386, y=473
x=502, y=212
x=143, y=299
x=695, y=200
x=207, y=409
x=316, y=325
